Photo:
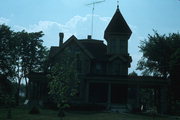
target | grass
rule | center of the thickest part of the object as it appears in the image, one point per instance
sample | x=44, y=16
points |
x=22, y=114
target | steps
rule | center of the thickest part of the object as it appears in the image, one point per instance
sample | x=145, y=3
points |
x=119, y=108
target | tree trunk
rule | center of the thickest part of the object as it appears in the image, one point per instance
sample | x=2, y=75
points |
x=18, y=90
x=27, y=88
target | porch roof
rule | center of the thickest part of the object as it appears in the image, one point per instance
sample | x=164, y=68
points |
x=129, y=80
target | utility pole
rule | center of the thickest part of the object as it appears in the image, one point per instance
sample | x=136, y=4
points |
x=92, y=19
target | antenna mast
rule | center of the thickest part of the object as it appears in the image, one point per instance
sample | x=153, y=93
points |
x=92, y=19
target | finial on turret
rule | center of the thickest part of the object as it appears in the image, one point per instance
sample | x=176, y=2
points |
x=117, y=4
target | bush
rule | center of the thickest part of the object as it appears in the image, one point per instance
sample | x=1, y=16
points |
x=34, y=110
x=61, y=113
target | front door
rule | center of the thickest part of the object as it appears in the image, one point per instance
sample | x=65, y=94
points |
x=119, y=93
x=98, y=92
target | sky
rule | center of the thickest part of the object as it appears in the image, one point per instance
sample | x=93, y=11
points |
x=73, y=17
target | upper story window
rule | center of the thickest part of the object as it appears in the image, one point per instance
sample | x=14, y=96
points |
x=123, y=46
x=98, y=67
x=116, y=67
x=113, y=46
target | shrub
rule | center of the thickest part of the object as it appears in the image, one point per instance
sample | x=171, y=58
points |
x=34, y=110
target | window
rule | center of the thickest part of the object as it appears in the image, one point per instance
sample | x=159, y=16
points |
x=116, y=66
x=113, y=46
x=98, y=67
x=123, y=46
x=123, y=69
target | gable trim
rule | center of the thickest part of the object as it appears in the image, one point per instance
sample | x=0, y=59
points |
x=118, y=56
x=73, y=38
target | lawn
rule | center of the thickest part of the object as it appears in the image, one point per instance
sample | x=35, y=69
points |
x=22, y=114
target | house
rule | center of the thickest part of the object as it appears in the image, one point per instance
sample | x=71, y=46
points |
x=103, y=69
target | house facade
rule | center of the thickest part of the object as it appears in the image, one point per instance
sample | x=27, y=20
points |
x=103, y=69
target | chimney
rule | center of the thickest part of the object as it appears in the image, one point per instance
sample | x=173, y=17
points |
x=61, y=36
x=89, y=37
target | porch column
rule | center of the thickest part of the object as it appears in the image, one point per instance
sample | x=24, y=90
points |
x=138, y=97
x=109, y=96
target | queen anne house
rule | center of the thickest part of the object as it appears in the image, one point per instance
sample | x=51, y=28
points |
x=103, y=69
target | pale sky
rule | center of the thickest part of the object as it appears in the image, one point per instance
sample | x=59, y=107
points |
x=73, y=17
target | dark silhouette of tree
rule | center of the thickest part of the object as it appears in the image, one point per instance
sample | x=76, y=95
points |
x=31, y=56
x=161, y=57
x=20, y=54
x=157, y=54
x=7, y=66
x=7, y=54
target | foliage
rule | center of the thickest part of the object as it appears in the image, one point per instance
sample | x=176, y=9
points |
x=158, y=53
x=34, y=110
x=31, y=55
x=6, y=91
x=21, y=53
x=161, y=57
x=63, y=83
x=147, y=97
x=7, y=55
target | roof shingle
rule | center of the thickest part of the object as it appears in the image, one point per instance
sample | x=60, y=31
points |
x=117, y=25
x=96, y=47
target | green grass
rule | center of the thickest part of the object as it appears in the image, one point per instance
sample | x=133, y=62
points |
x=22, y=114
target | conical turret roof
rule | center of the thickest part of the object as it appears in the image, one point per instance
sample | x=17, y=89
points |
x=117, y=25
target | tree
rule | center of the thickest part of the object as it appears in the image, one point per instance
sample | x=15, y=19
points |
x=157, y=54
x=6, y=89
x=20, y=54
x=30, y=57
x=7, y=54
x=161, y=57
x=63, y=83
x=7, y=66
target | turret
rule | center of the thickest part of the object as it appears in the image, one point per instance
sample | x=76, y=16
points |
x=117, y=34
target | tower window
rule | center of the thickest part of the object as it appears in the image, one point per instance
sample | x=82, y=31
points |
x=123, y=47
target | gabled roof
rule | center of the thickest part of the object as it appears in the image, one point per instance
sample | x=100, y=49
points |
x=121, y=57
x=124, y=58
x=56, y=50
x=117, y=25
x=96, y=47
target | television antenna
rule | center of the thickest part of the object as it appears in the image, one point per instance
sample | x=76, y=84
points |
x=92, y=19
